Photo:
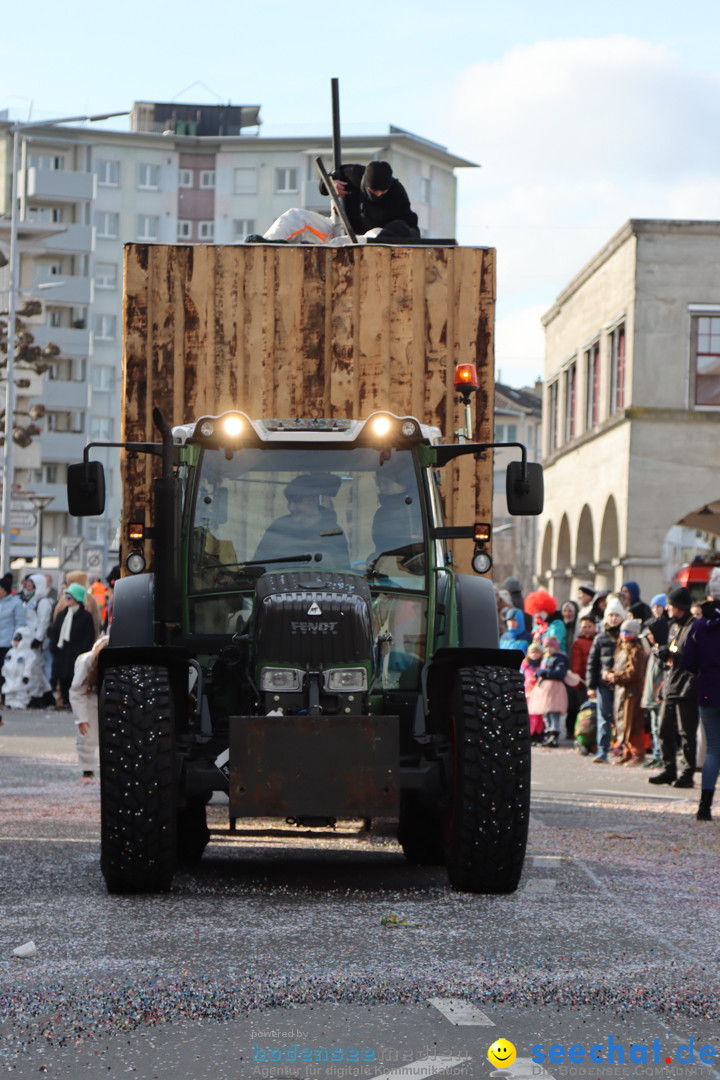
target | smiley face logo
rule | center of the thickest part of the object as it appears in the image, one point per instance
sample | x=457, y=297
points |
x=501, y=1054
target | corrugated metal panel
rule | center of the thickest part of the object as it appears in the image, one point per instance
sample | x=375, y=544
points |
x=309, y=331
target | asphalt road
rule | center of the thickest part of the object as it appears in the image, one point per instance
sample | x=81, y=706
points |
x=271, y=960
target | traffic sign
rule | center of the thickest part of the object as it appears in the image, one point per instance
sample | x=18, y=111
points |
x=94, y=561
x=21, y=519
x=72, y=552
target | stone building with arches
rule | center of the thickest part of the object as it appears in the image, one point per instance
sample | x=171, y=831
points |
x=631, y=412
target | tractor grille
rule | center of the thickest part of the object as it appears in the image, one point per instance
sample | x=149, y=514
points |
x=306, y=618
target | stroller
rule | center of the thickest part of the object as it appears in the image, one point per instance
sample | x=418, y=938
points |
x=586, y=728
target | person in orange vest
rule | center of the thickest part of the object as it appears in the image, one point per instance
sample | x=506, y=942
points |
x=102, y=596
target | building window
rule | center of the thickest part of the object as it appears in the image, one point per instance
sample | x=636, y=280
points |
x=246, y=182
x=101, y=427
x=104, y=327
x=54, y=317
x=46, y=474
x=47, y=161
x=147, y=227
x=108, y=173
x=207, y=178
x=106, y=276
x=66, y=421
x=426, y=190
x=206, y=230
x=592, y=386
x=102, y=376
x=570, y=395
x=106, y=225
x=184, y=230
x=707, y=359
x=149, y=177
x=286, y=182
x=46, y=215
x=243, y=227
x=617, y=369
x=506, y=433
x=185, y=178
x=553, y=402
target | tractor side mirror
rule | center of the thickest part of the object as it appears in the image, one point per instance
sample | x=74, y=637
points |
x=86, y=489
x=524, y=496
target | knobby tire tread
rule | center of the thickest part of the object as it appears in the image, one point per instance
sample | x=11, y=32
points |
x=491, y=805
x=137, y=780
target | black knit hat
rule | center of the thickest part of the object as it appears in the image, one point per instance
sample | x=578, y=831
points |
x=680, y=597
x=6, y=582
x=378, y=176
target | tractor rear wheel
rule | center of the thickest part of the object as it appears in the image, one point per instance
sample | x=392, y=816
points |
x=138, y=795
x=487, y=819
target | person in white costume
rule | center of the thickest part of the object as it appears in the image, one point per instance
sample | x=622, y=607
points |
x=38, y=616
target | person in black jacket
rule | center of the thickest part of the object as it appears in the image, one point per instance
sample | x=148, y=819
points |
x=72, y=633
x=601, y=660
x=679, y=712
x=377, y=205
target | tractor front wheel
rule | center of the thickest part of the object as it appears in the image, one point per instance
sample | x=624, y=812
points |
x=138, y=793
x=488, y=814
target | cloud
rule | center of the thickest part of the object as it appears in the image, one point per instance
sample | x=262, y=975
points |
x=575, y=136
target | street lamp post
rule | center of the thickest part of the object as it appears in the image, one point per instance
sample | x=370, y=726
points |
x=40, y=502
x=13, y=266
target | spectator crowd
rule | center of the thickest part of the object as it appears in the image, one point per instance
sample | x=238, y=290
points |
x=49, y=643
x=634, y=684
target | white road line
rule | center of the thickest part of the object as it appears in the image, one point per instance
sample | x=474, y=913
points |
x=636, y=794
x=423, y=1068
x=461, y=1013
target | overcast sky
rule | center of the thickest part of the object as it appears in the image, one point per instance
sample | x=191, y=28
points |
x=580, y=117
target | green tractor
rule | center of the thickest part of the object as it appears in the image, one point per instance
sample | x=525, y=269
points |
x=304, y=645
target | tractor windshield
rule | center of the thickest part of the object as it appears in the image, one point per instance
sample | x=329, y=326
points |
x=307, y=508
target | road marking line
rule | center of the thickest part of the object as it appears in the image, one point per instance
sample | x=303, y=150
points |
x=541, y=886
x=423, y=1068
x=461, y=1013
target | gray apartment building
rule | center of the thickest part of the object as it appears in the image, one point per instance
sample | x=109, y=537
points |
x=182, y=174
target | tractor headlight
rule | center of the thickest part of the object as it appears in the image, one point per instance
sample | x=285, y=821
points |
x=233, y=425
x=346, y=680
x=285, y=679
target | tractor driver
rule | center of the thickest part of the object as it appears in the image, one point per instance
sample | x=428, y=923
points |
x=309, y=528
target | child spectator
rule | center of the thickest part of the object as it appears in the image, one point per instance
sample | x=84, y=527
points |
x=529, y=668
x=656, y=634
x=628, y=673
x=18, y=660
x=516, y=636
x=549, y=696
x=84, y=704
x=600, y=662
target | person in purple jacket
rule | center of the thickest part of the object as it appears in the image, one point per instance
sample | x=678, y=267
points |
x=701, y=655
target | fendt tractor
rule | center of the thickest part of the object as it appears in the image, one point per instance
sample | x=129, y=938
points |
x=303, y=643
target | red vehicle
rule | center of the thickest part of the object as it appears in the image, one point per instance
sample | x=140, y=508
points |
x=695, y=575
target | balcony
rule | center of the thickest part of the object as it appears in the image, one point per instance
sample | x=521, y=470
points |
x=74, y=239
x=70, y=342
x=60, y=184
x=61, y=394
x=63, y=288
x=61, y=445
